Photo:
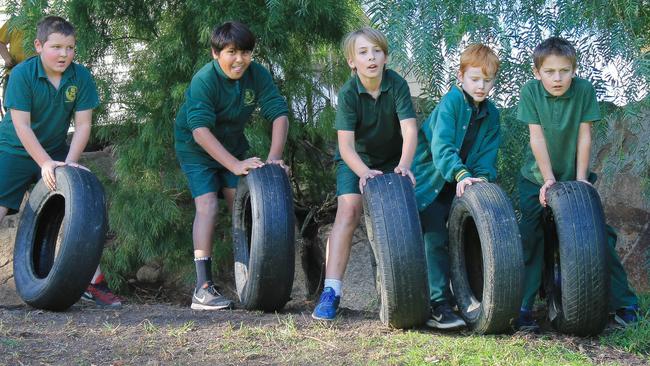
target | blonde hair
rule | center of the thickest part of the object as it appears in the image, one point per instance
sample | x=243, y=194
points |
x=374, y=36
x=479, y=55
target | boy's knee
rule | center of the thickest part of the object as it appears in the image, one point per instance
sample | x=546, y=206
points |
x=207, y=204
x=349, y=213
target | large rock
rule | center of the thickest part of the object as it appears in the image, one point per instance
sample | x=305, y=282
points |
x=621, y=157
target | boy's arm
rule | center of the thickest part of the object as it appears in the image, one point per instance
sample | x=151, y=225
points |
x=82, y=124
x=4, y=53
x=352, y=159
x=409, y=129
x=584, y=151
x=538, y=146
x=278, y=140
x=212, y=146
x=22, y=124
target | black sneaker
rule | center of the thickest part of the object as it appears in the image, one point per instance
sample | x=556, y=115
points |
x=627, y=315
x=526, y=323
x=443, y=317
x=208, y=298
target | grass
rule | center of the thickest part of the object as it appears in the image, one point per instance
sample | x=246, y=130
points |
x=313, y=343
x=173, y=336
x=634, y=339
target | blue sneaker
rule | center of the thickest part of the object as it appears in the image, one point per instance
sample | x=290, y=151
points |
x=627, y=315
x=526, y=323
x=327, y=305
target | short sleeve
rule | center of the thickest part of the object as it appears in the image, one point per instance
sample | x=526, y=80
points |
x=403, y=102
x=526, y=110
x=590, y=110
x=19, y=90
x=87, y=97
x=272, y=104
x=4, y=33
x=346, y=113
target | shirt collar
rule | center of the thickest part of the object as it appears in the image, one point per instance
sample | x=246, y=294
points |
x=221, y=73
x=385, y=85
x=67, y=74
x=481, y=110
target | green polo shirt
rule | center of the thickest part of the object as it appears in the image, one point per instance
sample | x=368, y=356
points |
x=442, y=136
x=560, y=118
x=375, y=122
x=51, y=109
x=224, y=106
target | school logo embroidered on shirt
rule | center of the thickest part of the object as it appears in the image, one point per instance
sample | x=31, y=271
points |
x=249, y=97
x=71, y=93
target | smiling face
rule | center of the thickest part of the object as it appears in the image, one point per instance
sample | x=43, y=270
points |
x=555, y=73
x=476, y=83
x=232, y=61
x=56, y=53
x=368, y=59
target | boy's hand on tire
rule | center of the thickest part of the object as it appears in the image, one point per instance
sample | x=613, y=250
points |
x=462, y=185
x=279, y=162
x=585, y=181
x=363, y=179
x=77, y=165
x=405, y=172
x=243, y=167
x=542, y=191
x=47, y=172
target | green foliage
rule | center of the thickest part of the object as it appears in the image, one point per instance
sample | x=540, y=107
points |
x=612, y=39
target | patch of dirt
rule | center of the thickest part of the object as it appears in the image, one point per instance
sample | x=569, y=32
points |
x=163, y=333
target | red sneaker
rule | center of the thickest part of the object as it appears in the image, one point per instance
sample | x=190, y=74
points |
x=101, y=295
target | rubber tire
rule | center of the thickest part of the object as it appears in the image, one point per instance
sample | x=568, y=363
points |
x=77, y=208
x=575, y=237
x=264, y=239
x=487, y=261
x=395, y=235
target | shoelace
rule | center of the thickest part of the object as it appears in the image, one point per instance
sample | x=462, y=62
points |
x=103, y=288
x=212, y=289
x=328, y=296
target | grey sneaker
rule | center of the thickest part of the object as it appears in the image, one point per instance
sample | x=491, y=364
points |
x=443, y=317
x=209, y=298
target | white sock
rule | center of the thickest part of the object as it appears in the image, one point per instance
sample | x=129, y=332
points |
x=335, y=284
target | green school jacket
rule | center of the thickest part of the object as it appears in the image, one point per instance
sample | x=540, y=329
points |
x=437, y=156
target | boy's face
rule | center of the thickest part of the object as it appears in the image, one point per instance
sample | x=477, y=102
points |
x=555, y=73
x=56, y=53
x=476, y=83
x=368, y=59
x=232, y=61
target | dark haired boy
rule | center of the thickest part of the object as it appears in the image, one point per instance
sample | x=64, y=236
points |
x=559, y=109
x=210, y=142
x=44, y=93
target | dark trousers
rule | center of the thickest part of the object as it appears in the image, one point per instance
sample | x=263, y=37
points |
x=531, y=228
x=436, y=243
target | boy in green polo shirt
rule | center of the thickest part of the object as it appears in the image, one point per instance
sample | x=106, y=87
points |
x=210, y=143
x=457, y=147
x=374, y=116
x=559, y=109
x=44, y=93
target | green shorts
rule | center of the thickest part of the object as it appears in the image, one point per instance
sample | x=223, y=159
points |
x=347, y=181
x=205, y=179
x=18, y=174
